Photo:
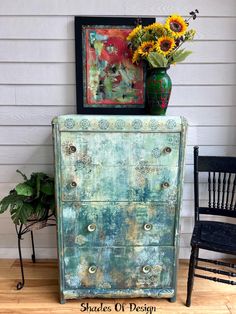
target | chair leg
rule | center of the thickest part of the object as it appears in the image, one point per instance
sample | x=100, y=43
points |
x=192, y=264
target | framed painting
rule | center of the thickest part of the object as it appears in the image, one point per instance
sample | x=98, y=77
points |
x=107, y=82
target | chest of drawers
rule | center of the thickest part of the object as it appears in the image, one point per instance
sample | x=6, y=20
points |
x=118, y=194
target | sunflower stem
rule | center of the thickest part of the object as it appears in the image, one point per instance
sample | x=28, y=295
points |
x=171, y=54
x=189, y=19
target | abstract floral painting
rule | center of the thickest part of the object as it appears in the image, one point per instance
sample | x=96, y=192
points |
x=106, y=79
x=111, y=78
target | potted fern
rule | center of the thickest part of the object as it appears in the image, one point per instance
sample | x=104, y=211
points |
x=32, y=201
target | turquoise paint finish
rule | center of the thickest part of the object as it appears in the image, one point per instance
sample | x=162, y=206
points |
x=119, y=267
x=115, y=123
x=122, y=293
x=119, y=166
x=117, y=149
x=118, y=224
x=121, y=174
x=121, y=183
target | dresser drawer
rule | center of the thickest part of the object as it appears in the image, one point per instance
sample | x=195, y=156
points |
x=115, y=149
x=118, y=224
x=139, y=183
x=120, y=267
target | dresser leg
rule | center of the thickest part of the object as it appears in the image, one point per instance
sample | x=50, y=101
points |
x=62, y=300
x=173, y=299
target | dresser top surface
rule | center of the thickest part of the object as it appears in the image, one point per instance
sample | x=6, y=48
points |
x=120, y=123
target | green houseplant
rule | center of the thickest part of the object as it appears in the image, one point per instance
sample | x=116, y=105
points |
x=30, y=201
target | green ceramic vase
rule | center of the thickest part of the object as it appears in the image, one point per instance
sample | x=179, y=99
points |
x=158, y=89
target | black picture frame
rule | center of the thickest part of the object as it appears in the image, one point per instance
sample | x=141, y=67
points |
x=81, y=23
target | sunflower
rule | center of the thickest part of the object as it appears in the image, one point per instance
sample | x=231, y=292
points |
x=135, y=58
x=176, y=25
x=154, y=27
x=145, y=48
x=134, y=32
x=165, y=45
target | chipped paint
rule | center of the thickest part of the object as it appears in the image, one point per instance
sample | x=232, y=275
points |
x=118, y=179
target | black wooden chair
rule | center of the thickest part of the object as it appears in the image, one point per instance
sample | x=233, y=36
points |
x=213, y=235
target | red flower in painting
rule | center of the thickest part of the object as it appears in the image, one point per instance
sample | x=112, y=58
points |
x=114, y=50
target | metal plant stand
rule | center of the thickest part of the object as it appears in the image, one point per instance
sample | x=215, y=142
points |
x=32, y=224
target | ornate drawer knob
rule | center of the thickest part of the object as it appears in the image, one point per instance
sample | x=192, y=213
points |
x=73, y=184
x=167, y=150
x=146, y=269
x=91, y=227
x=92, y=269
x=165, y=185
x=147, y=227
x=72, y=149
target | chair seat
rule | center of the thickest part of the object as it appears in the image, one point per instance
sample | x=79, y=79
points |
x=215, y=236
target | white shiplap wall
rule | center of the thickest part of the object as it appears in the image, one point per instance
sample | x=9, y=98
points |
x=37, y=82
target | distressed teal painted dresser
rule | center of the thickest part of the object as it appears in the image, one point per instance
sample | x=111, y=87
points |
x=118, y=191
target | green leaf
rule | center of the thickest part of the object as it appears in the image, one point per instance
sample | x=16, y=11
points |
x=25, y=212
x=47, y=187
x=34, y=177
x=15, y=210
x=6, y=202
x=20, y=212
x=157, y=60
x=27, y=209
x=11, y=201
x=24, y=189
x=38, y=182
x=39, y=210
x=180, y=55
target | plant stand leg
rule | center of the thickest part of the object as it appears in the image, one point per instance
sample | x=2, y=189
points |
x=32, y=241
x=20, y=284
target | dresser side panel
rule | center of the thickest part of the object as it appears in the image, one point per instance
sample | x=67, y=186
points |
x=57, y=171
x=182, y=151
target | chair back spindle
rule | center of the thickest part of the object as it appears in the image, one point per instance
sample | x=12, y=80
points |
x=214, y=189
x=221, y=190
x=221, y=181
x=228, y=192
x=209, y=189
x=232, y=196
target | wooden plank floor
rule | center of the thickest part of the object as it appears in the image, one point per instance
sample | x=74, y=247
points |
x=40, y=294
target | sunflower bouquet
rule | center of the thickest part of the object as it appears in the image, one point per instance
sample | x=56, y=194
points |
x=160, y=44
